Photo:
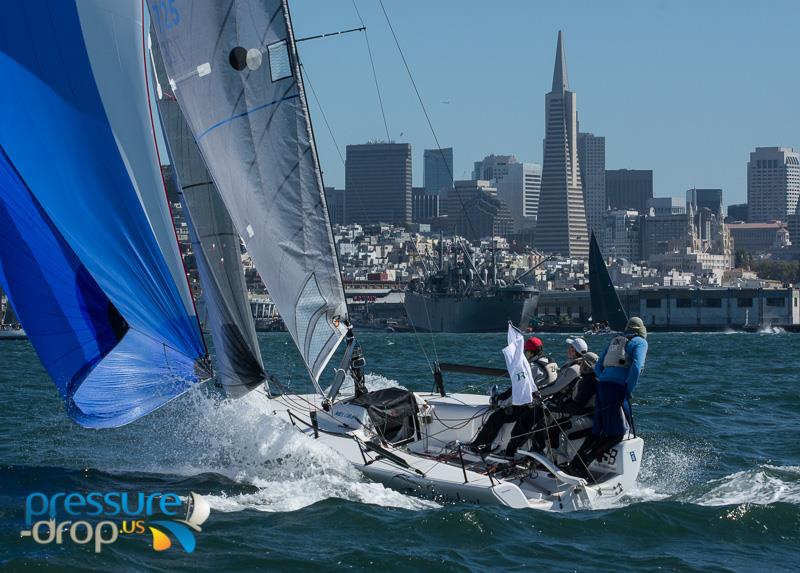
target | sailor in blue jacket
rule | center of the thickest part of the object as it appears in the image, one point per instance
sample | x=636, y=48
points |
x=618, y=371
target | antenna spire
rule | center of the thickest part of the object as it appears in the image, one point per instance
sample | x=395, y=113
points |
x=560, y=80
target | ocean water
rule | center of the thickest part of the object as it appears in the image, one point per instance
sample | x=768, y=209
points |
x=719, y=489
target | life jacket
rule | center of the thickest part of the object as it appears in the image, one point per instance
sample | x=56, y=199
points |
x=549, y=367
x=616, y=355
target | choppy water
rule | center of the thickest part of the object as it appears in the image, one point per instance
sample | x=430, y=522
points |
x=719, y=489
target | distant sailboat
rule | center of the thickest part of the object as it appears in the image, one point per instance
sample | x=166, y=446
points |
x=10, y=328
x=606, y=306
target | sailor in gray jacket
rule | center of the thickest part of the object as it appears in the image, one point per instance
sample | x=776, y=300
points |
x=569, y=372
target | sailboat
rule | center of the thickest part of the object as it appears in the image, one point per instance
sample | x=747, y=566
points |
x=90, y=261
x=10, y=328
x=608, y=316
x=234, y=70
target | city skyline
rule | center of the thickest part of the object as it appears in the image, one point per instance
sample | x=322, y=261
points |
x=686, y=98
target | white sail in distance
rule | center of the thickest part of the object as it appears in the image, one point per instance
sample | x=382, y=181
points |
x=233, y=67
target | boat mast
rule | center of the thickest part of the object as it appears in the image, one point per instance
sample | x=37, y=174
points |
x=357, y=360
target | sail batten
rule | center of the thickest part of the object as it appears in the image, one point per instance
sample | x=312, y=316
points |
x=250, y=119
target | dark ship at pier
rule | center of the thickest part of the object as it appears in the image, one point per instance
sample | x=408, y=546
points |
x=458, y=297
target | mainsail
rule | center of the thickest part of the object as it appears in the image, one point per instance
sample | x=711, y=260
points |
x=215, y=245
x=88, y=254
x=606, y=305
x=233, y=68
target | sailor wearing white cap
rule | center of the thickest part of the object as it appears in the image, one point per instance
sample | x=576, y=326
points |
x=569, y=372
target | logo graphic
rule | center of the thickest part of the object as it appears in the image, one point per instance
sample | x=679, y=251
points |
x=182, y=529
x=101, y=519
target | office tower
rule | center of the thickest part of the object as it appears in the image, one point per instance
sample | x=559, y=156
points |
x=773, y=184
x=424, y=205
x=493, y=167
x=737, y=212
x=473, y=210
x=519, y=189
x=337, y=208
x=561, y=222
x=710, y=199
x=629, y=189
x=378, y=183
x=592, y=161
x=665, y=206
x=437, y=170
x=621, y=235
x=660, y=234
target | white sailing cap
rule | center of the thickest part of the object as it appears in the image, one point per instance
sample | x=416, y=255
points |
x=579, y=344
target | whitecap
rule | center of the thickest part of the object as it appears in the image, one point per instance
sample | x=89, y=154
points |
x=763, y=485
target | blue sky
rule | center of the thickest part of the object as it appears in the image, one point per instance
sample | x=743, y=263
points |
x=686, y=88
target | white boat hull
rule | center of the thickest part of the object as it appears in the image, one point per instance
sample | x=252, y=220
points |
x=429, y=465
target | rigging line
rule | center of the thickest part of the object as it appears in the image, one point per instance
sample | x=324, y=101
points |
x=425, y=111
x=322, y=112
x=419, y=341
x=329, y=34
x=374, y=73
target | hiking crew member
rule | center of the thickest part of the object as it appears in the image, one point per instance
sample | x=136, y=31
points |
x=559, y=391
x=522, y=409
x=580, y=397
x=569, y=372
x=618, y=371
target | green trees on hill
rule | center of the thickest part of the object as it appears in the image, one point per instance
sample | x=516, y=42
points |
x=784, y=271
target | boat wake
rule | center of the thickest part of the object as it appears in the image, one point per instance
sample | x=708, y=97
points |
x=763, y=485
x=674, y=473
x=278, y=468
x=772, y=330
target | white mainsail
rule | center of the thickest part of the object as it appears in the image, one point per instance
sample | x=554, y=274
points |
x=233, y=68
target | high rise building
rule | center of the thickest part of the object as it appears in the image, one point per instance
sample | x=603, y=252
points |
x=773, y=184
x=519, y=189
x=337, y=208
x=424, y=205
x=710, y=199
x=561, y=222
x=492, y=167
x=621, y=235
x=437, y=170
x=794, y=228
x=378, y=183
x=660, y=234
x=665, y=206
x=473, y=211
x=737, y=212
x=629, y=189
x=592, y=160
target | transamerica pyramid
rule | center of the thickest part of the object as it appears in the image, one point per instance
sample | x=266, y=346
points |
x=561, y=221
